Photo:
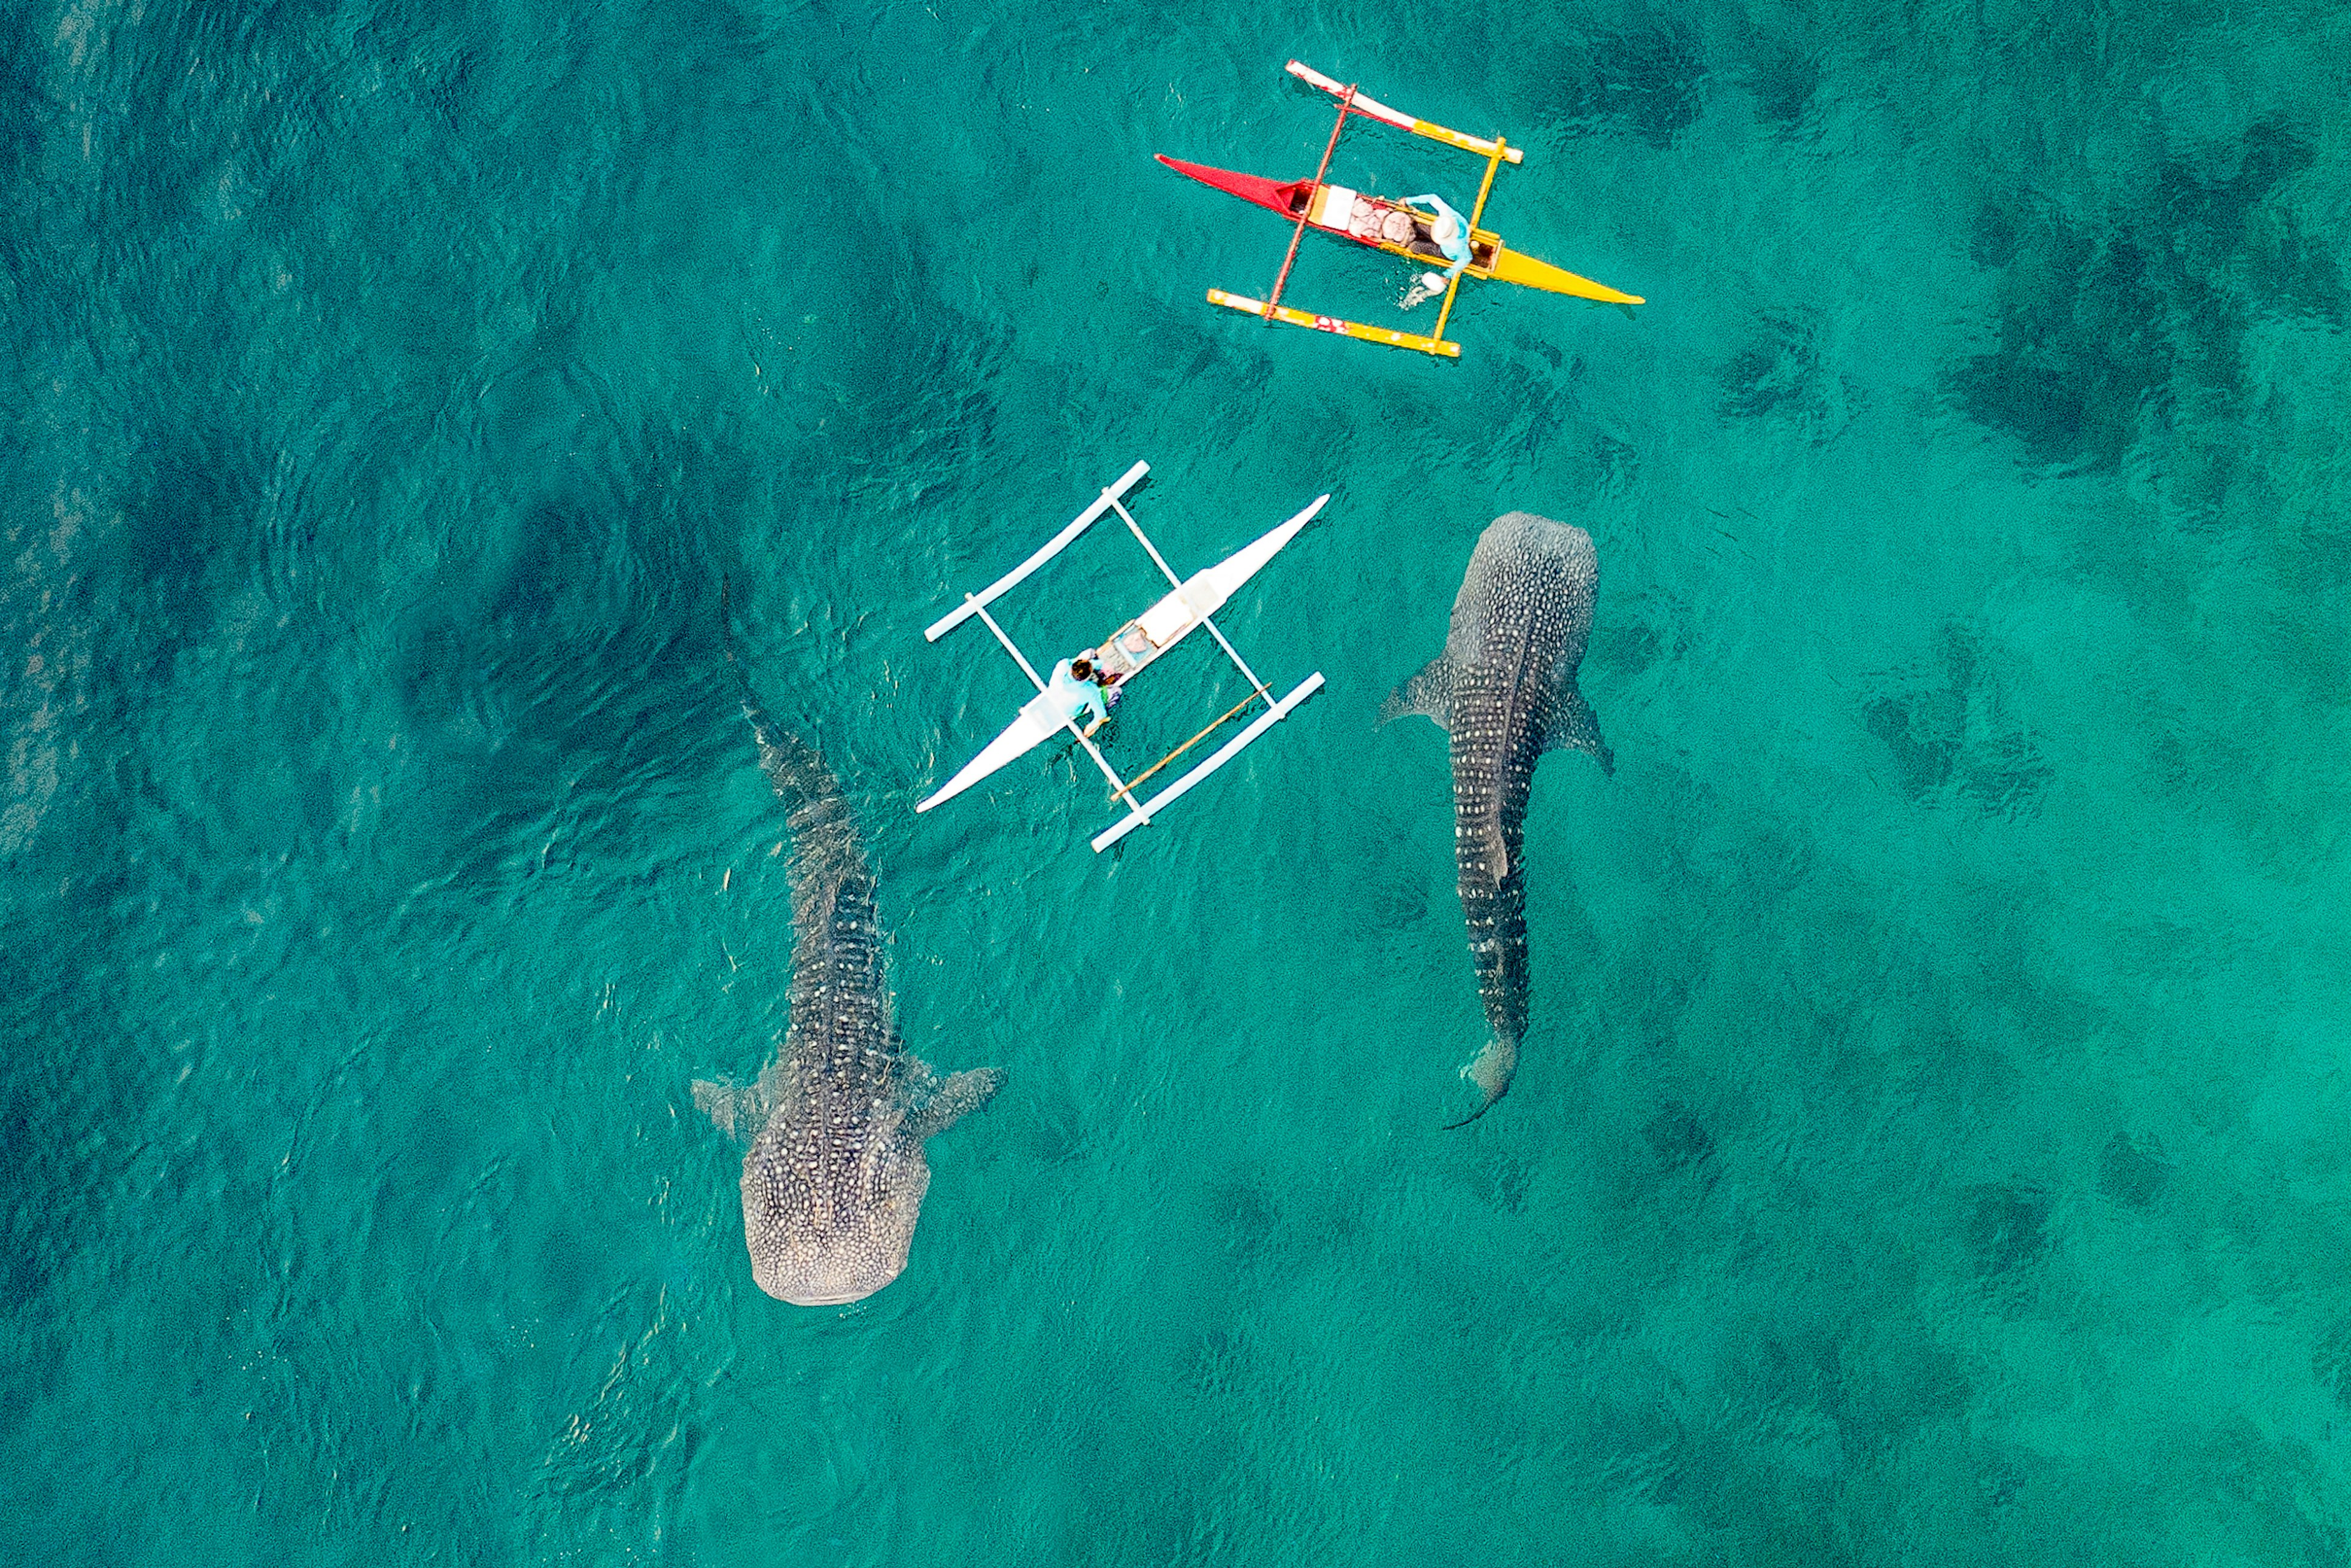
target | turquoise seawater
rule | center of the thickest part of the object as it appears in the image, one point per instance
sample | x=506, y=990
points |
x=1932, y=1143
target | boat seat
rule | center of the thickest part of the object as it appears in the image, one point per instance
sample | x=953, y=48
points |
x=1121, y=651
x=1164, y=620
x=1335, y=207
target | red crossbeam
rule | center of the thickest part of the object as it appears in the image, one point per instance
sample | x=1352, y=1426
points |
x=1345, y=103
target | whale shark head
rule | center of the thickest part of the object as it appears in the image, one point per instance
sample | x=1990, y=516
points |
x=832, y=1187
x=821, y=1234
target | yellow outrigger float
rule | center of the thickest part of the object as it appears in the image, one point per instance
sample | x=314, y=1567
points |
x=1395, y=228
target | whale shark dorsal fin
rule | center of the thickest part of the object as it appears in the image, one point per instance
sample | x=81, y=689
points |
x=954, y=1100
x=1429, y=692
x=1573, y=723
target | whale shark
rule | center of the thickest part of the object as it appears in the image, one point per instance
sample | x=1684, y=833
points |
x=1505, y=690
x=834, y=1175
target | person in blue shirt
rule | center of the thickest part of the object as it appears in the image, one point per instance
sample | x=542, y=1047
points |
x=1073, y=690
x=1450, y=230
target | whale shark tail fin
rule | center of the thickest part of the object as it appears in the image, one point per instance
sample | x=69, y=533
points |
x=1574, y=724
x=827, y=850
x=1430, y=692
x=792, y=764
x=1491, y=1072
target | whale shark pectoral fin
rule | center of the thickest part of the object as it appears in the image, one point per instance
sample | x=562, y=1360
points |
x=741, y=1110
x=1573, y=723
x=735, y=1109
x=1430, y=692
x=954, y=1100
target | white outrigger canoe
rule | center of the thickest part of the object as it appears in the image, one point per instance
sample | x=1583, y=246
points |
x=1192, y=602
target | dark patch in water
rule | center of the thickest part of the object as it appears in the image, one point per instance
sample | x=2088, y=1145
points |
x=1652, y=79
x=1784, y=79
x=1244, y=1215
x=1617, y=464
x=928, y=412
x=205, y=493
x=1781, y=372
x=1623, y=651
x=30, y=1166
x=1951, y=730
x=1677, y=1141
x=1397, y=904
x=2007, y=1225
x=2082, y=351
x=2108, y=326
x=1535, y=406
x=2330, y=1363
x=1648, y=80
x=1056, y=1128
x=1915, y=1379
x=1504, y=1183
x=1775, y=367
x=2212, y=217
x=2006, y=774
x=1215, y=1362
x=2132, y=1170
x=1921, y=732
x=1992, y=239
x=562, y=661
x=27, y=107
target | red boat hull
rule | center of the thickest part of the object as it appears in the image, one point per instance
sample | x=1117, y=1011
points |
x=1295, y=199
x=1274, y=195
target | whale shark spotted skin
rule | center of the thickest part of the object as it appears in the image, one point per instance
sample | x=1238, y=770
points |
x=834, y=1176
x=1505, y=690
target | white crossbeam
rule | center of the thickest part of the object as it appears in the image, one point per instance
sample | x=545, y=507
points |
x=1224, y=754
x=1052, y=547
x=1210, y=621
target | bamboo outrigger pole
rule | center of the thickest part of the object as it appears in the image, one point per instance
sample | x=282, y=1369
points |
x=1147, y=773
x=1346, y=102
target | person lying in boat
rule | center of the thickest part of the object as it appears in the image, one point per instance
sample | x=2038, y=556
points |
x=1073, y=691
x=1404, y=228
x=1450, y=231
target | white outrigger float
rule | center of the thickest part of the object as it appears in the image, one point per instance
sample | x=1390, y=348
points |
x=1129, y=650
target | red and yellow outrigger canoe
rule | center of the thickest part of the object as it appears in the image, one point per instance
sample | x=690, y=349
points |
x=1385, y=225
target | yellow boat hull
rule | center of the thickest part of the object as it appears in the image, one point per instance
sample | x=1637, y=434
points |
x=1517, y=266
x=1491, y=261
